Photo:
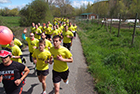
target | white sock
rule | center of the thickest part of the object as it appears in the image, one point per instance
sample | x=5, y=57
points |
x=67, y=82
x=44, y=92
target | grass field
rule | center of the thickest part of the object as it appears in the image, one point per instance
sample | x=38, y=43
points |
x=13, y=24
x=112, y=60
x=10, y=21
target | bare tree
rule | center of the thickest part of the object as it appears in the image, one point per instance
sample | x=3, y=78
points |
x=64, y=6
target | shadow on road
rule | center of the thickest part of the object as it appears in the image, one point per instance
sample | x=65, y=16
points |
x=32, y=74
x=52, y=92
x=30, y=90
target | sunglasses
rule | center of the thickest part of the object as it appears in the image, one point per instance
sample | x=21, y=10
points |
x=3, y=57
x=31, y=36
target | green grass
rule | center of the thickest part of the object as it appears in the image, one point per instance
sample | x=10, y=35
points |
x=112, y=60
x=10, y=21
x=13, y=24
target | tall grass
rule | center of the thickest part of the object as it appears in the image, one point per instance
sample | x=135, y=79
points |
x=113, y=61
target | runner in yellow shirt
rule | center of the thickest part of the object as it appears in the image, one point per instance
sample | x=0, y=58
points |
x=4, y=47
x=48, y=32
x=75, y=30
x=37, y=32
x=16, y=52
x=33, y=27
x=32, y=42
x=67, y=38
x=47, y=42
x=55, y=31
x=17, y=42
x=39, y=26
x=61, y=56
x=59, y=30
x=41, y=59
x=50, y=25
x=43, y=28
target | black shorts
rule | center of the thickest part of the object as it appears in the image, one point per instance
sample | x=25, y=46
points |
x=44, y=72
x=31, y=58
x=67, y=45
x=57, y=76
x=18, y=90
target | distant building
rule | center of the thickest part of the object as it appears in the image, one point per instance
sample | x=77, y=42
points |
x=89, y=16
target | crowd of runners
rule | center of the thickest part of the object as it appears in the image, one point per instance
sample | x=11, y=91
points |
x=49, y=43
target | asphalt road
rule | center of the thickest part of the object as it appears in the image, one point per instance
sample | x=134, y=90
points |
x=80, y=81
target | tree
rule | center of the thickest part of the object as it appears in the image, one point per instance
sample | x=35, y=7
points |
x=5, y=11
x=38, y=12
x=14, y=12
x=101, y=8
x=89, y=9
x=134, y=8
x=55, y=11
x=64, y=6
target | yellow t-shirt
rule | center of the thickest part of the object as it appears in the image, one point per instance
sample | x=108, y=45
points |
x=55, y=32
x=58, y=65
x=38, y=31
x=32, y=29
x=62, y=27
x=40, y=27
x=50, y=25
x=41, y=57
x=48, y=31
x=5, y=46
x=31, y=44
x=71, y=28
x=65, y=38
x=43, y=29
x=17, y=42
x=16, y=51
x=55, y=22
x=75, y=28
x=48, y=44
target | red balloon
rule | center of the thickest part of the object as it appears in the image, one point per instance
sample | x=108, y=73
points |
x=6, y=35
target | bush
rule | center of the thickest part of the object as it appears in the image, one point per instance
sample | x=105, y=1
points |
x=38, y=12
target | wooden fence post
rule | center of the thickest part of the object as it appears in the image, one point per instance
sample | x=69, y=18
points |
x=119, y=26
x=133, y=36
x=111, y=25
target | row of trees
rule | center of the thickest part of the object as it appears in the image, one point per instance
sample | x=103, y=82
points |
x=8, y=12
x=38, y=9
x=127, y=8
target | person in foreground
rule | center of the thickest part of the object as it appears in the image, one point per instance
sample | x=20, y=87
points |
x=11, y=73
x=41, y=58
x=61, y=56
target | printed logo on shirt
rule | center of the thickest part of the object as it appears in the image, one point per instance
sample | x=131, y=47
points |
x=7, y=74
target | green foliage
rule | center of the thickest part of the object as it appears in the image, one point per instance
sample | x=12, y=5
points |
x=8, y=12
x=37, y=12
x=112, y=60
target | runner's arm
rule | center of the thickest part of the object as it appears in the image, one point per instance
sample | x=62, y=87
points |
x=18, y=81
x=70, y=60
x=34, y=60
x=1, y=77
